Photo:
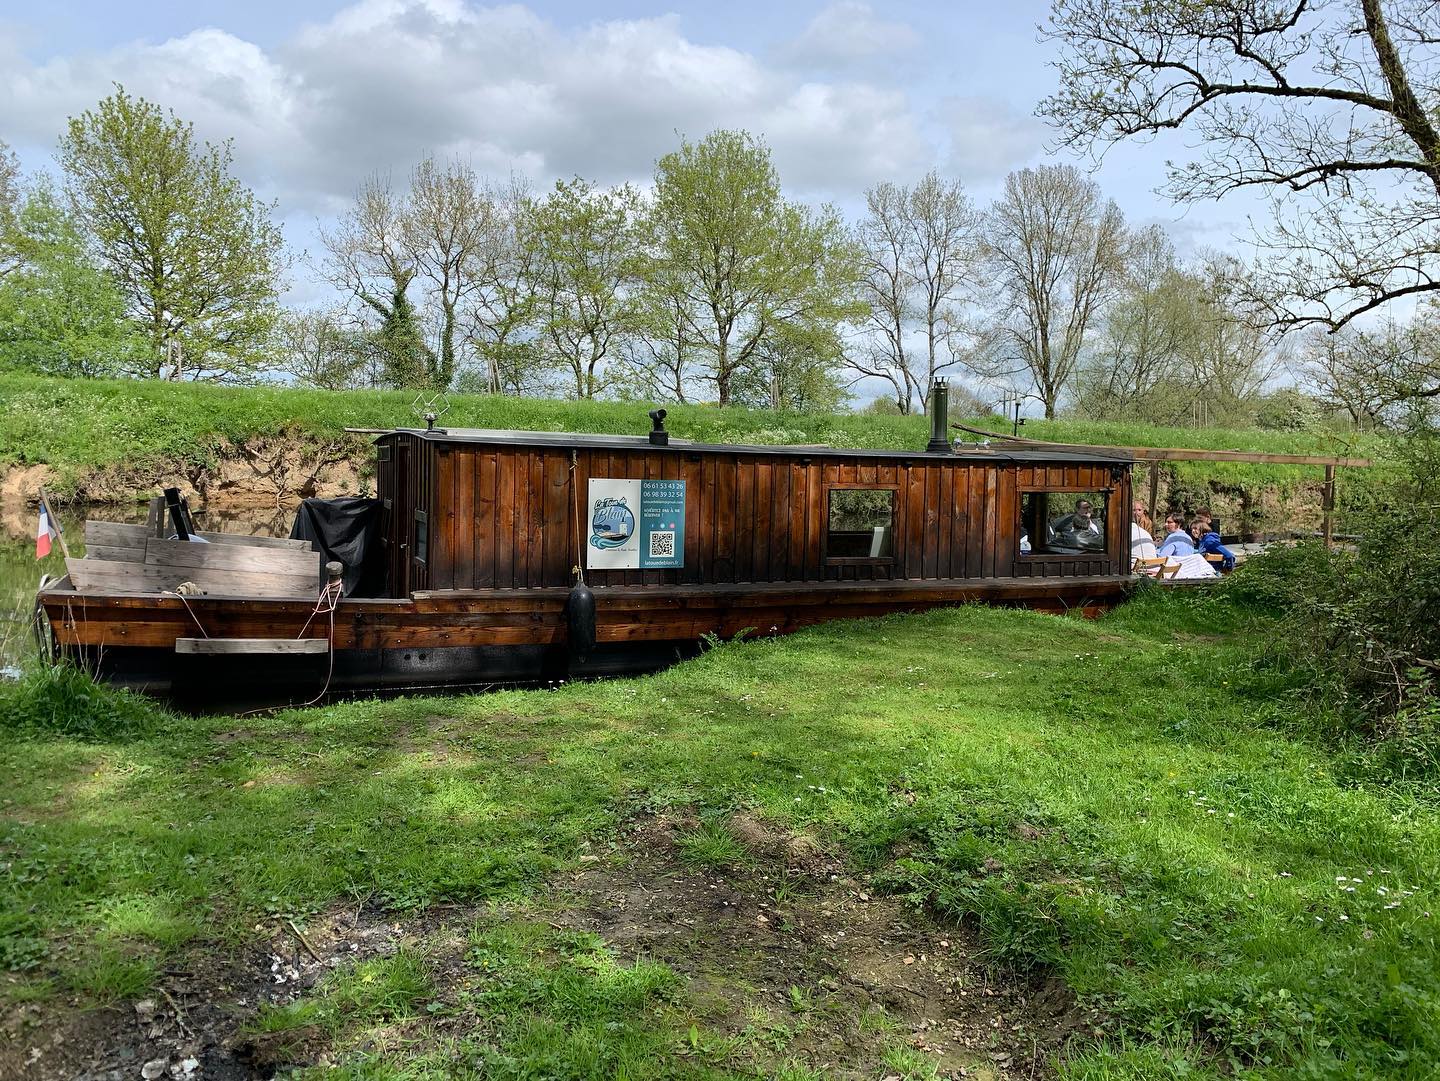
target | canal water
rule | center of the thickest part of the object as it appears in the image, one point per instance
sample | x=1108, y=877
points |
x=20, y=571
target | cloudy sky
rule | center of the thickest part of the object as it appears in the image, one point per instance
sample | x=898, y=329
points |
x=316, y=95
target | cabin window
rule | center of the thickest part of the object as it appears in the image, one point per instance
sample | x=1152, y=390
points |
x=382, y=452
x=1063, y=523
x=861, y=525
x=422, y=536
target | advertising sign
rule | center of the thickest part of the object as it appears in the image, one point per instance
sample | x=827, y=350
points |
x=636, y=524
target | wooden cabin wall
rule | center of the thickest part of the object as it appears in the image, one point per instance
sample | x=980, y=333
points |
x=505, y=517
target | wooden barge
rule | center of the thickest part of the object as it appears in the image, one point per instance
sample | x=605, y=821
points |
x=481, y=534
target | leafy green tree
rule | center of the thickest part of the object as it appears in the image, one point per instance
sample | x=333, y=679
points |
x=371, y=257
x=196, y=255
x=322, y=349
x=59, y=313
x=584, y=268
x=9, y=196
x=796, y=368
x=741, y=261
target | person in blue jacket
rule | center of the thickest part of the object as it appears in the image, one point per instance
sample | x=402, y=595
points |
x=1207, y=542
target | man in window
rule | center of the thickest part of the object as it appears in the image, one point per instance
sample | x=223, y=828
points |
x=1080, y=529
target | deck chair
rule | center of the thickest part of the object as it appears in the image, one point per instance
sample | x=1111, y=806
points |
x=1217, y=560
x=1167, y=569
x=1151, y=567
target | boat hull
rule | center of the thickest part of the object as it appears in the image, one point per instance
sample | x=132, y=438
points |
x=458, y=640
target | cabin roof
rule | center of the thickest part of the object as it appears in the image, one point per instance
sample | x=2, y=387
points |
x=994, y=452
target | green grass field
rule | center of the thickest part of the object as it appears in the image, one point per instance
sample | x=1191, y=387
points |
x=1135, y=805
x=83, y=425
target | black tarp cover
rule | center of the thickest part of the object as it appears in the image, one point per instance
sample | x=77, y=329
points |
x=347, y=529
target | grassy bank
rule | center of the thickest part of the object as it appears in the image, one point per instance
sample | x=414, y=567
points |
x=1135, y=805
x=82, y=426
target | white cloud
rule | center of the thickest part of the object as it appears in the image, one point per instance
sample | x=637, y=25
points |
x=849, y=35
x=384, y=82
x=987, y=138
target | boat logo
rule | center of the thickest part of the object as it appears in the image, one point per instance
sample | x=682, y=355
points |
x=611, y=524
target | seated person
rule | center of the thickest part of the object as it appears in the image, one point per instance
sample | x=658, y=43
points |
x=1212, y=524
x=1142, y=541
x=1177, y=541
x=1079, y=529
x=1207, y=542
x=1024, y=541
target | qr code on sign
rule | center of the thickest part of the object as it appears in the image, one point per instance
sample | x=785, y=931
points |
x=662, y=545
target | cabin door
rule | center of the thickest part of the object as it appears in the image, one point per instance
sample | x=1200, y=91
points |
x=404, y=524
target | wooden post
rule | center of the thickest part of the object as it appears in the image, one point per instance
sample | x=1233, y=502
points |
x=55, y=523
x=155, y=520
x=1154, y=489
x=1327, y=505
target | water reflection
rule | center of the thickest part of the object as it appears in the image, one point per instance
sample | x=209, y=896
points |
x=20, y=571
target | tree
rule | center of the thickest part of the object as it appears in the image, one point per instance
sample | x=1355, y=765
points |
x=1236, y=355
x=1329, y=109
x=584, y=267
x=1056, y=254
x=60, y=314
x=196, y=255
x=921, y=249
x=796, y=370
x=737, y=260
x=368, y=256
x=1372, y=373
x=9, y=198
x=1140, y=365
x=501, y=325
x=321, y=350
x=449, y=226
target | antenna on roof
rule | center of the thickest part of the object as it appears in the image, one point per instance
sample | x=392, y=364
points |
x=432, y=408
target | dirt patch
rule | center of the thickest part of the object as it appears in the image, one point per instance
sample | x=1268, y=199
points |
x=190, y=1024
x=837, y=975
x=789, y=956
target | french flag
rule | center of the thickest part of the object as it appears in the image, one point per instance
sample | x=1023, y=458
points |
x=44, y=533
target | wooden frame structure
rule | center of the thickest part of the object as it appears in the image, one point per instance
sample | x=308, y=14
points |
x=1155, y=455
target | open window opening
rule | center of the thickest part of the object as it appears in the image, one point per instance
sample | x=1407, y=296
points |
x=860, y=525
x=421, y=550
x=1063, y=523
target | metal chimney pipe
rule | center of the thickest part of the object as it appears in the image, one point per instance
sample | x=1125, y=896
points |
x=939, y=418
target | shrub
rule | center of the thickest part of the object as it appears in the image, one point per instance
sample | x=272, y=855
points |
x=64, y=700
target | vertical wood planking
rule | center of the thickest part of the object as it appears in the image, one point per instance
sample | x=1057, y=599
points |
x=932, y=520
x=505, y=528
x=913, y=564
x=816, y=510
x=558, y=545
x=487, y=522
x=744, y=518
x=724, y=525
x=780, y=521
x=763, y=537
x=1009, y=524
x=992, y=530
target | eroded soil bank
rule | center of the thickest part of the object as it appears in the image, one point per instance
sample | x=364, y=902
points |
x=261, y=471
